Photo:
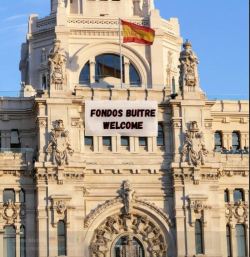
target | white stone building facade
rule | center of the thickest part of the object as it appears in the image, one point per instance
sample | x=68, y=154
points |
x=62, y=193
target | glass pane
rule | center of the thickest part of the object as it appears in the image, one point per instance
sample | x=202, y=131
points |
x=107, y=65
x=106, y=141
x=61, y=237
x=238, y=195
x=134, y=76
x=22, y=242
x=142, y=141
x=218, y=141
x=235, y=141
x=9, y=241
x=241, y=240
x=226, y=196
x=85, y=74
x=198, y=237
x=160, y=137
x=8, y=194
x=88, y=141
x=124, y=141
x=22, y=196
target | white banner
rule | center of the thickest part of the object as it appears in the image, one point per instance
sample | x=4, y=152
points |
x=127, y=118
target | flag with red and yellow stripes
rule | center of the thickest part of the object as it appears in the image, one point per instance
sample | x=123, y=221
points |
x=138, y=34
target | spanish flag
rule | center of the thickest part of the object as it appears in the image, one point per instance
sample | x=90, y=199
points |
x=138, y=34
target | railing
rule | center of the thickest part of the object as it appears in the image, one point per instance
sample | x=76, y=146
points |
x=232, y=151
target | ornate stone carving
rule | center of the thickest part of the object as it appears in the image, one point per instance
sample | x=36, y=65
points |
x=134, y=226
x=188, y=67
x=197, y=207
x=57, y=66
x=122, y=199
x=236, y=212
x=194, y=148
x=127, y=194
x=59, y=145
x=10, y=212
x=60, y=209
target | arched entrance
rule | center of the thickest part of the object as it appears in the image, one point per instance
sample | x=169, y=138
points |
x=134, y=235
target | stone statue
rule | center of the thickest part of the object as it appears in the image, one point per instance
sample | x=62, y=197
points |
x=194, y=147
x=57, y=65
x=188, y=67
x=137, y=7
x=59, y=144
x=127, y=194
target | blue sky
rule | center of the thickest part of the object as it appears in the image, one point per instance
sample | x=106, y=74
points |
x=218, y=30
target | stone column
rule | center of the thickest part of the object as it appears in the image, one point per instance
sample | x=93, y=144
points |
x=226, y=140
x=18, y=240
x=167, y=138
x=42, y=221
x=92, y=70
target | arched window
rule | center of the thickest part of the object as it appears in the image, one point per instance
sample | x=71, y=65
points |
x=22, y=196
x=241, y=240
x=235, y=141
x=22, y=242
x=229, y=244
x=61, y=238
x=107, y=70
x=9, y=241
x=128, y=243
x=218, y=141
x=199, y=237
x=8, y=194
x=160, y=137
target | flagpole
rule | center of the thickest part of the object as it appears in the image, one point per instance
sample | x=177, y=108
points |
x=120, y=42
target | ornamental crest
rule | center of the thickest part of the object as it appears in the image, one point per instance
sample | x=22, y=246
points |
x=59, y=145
x=10, y=212
x=194, y=149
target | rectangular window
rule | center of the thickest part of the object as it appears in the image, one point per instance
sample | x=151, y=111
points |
x=241, y=240
x=15, y=139
x=89, y=142
x=199, y=237
x=143, y=142
x=61, y=237
x=107, y=142
x=226, y=196
x=238, y=195
x=160, y=137
x=9, y=241
x=125, y=142
x=8, y=194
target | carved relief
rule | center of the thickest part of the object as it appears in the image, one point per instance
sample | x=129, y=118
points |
x=10, y=212
x=127, y=194
x=197, y=207
x=135, y=226
x=59, y=145
x=194, y=149
x=57, y=65
x=236, y=212
x=188, y=67
x=60, y=209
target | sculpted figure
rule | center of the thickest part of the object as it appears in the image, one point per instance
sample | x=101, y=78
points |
x=127, y=194
x=59, y=144
x=194, y=147
x=188, y=67
x=56, y=63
